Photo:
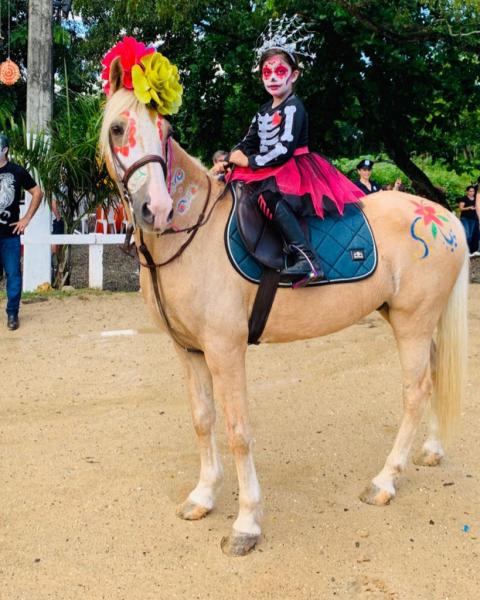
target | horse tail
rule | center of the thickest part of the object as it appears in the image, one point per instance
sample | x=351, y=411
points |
x=451, y=359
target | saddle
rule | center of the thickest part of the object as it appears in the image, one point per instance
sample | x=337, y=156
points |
x=344, y=243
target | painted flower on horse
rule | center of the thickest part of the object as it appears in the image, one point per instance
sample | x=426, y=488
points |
x=430, y=216
x=151, y=76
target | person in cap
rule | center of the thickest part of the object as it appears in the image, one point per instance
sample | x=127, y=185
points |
x=274, y=158
x=14, y=178
x=364, y=170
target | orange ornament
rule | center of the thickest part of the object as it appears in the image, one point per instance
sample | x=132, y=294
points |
x=9, y=72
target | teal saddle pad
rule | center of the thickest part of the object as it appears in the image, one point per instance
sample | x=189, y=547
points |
x=345, y=245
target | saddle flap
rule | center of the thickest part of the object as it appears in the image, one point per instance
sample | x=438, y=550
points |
x=255, y=230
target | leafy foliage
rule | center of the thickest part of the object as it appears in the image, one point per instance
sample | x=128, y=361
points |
x=394, y=77
x=385, y=172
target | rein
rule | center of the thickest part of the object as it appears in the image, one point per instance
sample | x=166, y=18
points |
x=149, y=263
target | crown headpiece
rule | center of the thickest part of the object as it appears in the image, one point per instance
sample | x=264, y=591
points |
x=288, y=34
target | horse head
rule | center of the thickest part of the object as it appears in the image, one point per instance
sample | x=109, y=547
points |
x=134, y=141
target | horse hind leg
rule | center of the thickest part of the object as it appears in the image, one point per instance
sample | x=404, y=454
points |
x=432, y=450
x=417, y=387
x=202, y=498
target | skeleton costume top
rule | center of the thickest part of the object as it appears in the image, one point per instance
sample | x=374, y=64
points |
x=275, y=133
x=279, y=161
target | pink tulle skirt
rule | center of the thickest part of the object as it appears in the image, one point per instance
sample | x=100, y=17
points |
x=306, y=173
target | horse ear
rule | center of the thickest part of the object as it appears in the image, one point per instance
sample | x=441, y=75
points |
x=116, y=76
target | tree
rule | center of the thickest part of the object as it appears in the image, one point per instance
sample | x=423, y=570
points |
x=393, y=76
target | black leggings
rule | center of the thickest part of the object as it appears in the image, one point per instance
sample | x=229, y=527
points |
x=267, y=202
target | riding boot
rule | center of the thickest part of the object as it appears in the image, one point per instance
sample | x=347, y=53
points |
x=307, y=266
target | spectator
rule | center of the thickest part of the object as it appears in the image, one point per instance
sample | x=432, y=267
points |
x=364, y=170
x=220, y=163
x=398, y=185
x=13, y=178
x=469, y=219
x=58, y=225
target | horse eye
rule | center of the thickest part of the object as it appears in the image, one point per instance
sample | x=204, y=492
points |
x=116, y=129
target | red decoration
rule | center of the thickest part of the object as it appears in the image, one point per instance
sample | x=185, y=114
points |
x=130, y=52
x=277, y=119
x=9, y=72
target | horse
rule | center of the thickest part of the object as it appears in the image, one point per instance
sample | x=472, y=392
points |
x=180, y=212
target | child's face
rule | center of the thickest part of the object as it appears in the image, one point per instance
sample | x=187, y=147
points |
x=278, y=76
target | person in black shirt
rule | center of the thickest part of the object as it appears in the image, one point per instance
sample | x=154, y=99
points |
x=13, y=178
x=364, y=170
x=469, y=218
x=290, y=180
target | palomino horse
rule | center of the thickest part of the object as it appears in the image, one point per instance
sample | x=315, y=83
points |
x=419, y=286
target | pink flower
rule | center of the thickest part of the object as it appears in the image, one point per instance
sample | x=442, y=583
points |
x=130, y=52
x=428, y=213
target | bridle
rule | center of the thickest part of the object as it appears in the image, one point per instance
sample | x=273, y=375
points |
x=129, y=171
x=142, y=248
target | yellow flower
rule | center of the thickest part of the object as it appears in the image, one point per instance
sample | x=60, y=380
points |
x=158, y=82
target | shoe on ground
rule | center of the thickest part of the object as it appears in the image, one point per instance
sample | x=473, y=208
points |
x=476, y=253
x=12, y=322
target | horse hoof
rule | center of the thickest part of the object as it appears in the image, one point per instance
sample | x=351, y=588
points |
x=190, y=511
x=428, y=459
x=238, y=544
x=376, y=496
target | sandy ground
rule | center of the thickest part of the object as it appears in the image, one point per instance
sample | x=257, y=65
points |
x=97, y=448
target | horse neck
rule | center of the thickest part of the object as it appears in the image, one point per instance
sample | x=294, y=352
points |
x=192, y=189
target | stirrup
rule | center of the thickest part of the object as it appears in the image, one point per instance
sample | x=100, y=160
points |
x=312, y=276
x=312, y=273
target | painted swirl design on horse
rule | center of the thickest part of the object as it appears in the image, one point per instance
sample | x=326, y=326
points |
x=433, y=222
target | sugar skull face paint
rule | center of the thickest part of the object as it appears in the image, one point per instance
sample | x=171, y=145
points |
x=278, y=77
x=159, y=127
x=138, y=179
x=131, y=140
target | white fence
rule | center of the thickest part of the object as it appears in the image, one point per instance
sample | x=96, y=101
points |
x=95, y=242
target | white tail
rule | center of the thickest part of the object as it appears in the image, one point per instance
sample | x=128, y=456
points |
x=452, y=355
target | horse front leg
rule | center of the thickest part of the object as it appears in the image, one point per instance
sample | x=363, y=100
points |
x=227, y=366
x=202, y=498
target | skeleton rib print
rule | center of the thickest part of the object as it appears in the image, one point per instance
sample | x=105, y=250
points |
x=275, y=133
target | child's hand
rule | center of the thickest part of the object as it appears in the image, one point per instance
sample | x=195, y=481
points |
x=237, y=157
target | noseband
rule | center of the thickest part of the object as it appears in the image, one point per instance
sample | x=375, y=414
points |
x=149, y=158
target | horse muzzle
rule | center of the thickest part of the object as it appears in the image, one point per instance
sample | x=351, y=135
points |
x=152, y=216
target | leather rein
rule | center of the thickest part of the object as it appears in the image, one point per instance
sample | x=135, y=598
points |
x=142, y=248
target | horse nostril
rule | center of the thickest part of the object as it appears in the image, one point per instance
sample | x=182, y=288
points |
x=170, y=216
x=147, y=214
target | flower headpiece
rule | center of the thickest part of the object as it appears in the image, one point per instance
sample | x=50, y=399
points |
x=288, y=34
x=151, y=76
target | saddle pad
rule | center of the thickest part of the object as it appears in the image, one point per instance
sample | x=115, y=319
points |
x=345, y=245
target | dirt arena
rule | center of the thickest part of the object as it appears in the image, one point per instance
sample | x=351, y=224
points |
x=97, y=448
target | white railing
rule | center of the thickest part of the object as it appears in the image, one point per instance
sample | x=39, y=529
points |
x=95, y=242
